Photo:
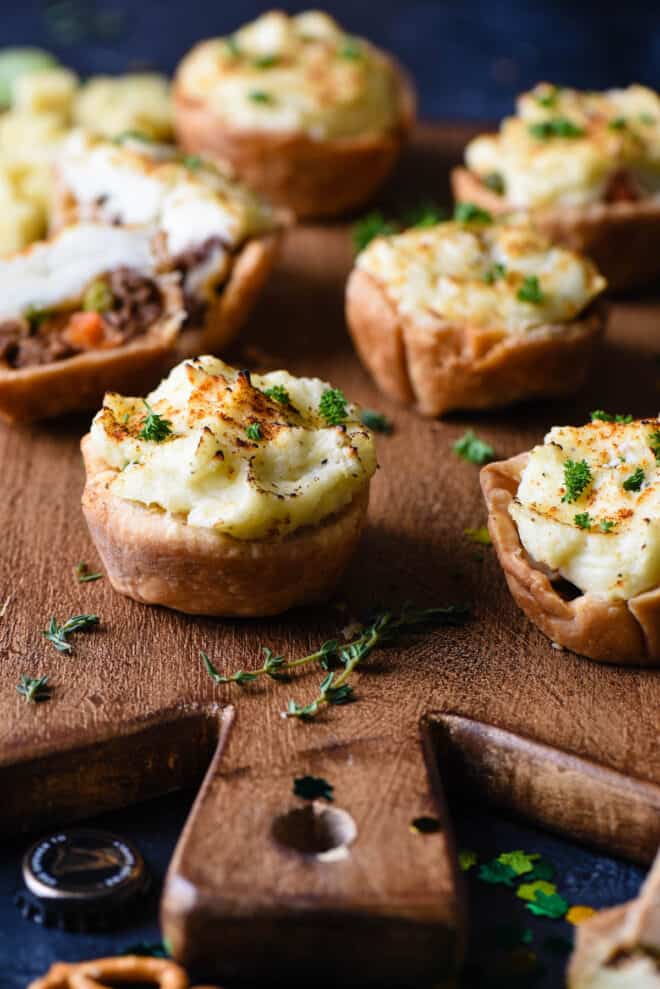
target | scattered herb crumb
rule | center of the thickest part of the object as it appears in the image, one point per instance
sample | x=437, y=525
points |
x=606, y=525
x=583, y=520
x=471, y=447
x=333, y=406
x=58, y=635
x=278, y=393
x=530, y=291
x=313, y=788
x=154, y=428
x=83, y=574
x=480, y=535
x=635, y=481
x=35, y=690
x=376, y=421
x=253, y=432
x=577, y=478
x=425, y=825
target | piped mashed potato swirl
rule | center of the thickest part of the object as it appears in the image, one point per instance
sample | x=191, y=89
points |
x=293, y=74
x=218, y=470
x=566, y=147
x=476, y=273
x=605, y=541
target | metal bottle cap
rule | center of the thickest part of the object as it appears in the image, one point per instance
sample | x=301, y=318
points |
x=81, y=880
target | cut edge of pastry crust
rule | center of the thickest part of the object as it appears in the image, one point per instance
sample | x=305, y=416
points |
x=228, y=312
x=625, y=938
x=441, y=366
x=313, y=178
x=157, y=558
x=597, y=230
x=78, y=383
x=607, y=631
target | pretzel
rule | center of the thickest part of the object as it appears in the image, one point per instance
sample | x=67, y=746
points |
x=125, y=968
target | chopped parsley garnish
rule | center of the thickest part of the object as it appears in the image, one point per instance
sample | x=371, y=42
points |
x=253, y=432
x=35, y=690
x=351, y=48
x=260, y=96
x=494, y=273
x=654, y=443
x=376, y=421
x=635, y=481
x=312, y=788
x=600, y=416
x=494, y=182
x=193, y=162
x=606, y=525
x=557, y=127
x=98, y=297
x=618, y=123
x=583, y=520
x=154, y=428
x=471, y=213
x=471, y=447
x=332, y=407
x=58, y=635
x=425, y=214
x=266, y=61
x=278, y=393
x=370, y=226
x=530, y=291
x=35, y=316
x=548, y=98
x=577, y=478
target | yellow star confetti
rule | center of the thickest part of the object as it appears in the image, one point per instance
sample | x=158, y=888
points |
x=528, y=891
x=578, y=914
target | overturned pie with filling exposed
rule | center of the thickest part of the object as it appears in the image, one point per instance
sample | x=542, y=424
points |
x=213, y=232
x=472, y=314
x=586, y=167
x=88, y=310
x=576, y=526
x=226, y=493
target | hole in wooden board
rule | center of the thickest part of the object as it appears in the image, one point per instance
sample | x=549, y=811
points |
x=316, y=830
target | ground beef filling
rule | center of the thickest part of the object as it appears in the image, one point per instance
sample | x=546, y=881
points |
x=44, y=338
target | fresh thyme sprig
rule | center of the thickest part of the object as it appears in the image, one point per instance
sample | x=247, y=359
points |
x=154, y=427
x=35, y=690
x=58, y=634
x=334, y=688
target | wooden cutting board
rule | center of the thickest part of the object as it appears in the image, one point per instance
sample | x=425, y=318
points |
x=491, y=709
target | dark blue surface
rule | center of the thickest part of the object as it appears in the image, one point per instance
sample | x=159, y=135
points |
x=469, y=58
x=27, y=950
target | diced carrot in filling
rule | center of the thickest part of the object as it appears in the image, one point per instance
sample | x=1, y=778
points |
x=87, y=331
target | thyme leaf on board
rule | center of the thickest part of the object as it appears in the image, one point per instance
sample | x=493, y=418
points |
x=58, y=635
x=35, y=690
x=83, y=574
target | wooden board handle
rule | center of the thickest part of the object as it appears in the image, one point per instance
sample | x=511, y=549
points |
x=263, y=882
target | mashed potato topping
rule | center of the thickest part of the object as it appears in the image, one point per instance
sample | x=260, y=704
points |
x=502, y=276
x=301, y=73
x=248, y=455
x=136, y=182
x=599, y=528
x=571, y=148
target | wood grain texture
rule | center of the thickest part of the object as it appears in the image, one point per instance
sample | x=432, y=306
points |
x=134, y=713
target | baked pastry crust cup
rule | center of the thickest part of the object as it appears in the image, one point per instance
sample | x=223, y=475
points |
x=156, y=558
x=78, y=383
x=439, y=365
x=313, y=178
x=598, y=230
x=608, y=631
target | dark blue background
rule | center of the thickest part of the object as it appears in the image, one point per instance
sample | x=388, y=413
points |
x=470, y=58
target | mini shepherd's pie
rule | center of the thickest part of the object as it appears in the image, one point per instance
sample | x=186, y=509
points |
x=472, y=314
x=586, y=166
x=310, y=116
x=227, y=493
x=218, y=236
x=576, y=525
x=86, y=311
